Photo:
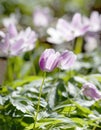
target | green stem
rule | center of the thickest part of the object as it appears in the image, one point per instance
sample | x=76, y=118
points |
x=57, y=75
x=32, y=64
x=78, y=45
x=38, y=106
x=94, y=128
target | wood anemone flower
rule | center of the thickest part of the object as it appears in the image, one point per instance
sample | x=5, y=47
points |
x=14, y=43
x=90, y=90
x=49, y=60
x=67, y=59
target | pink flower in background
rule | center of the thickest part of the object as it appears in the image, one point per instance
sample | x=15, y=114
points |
x=77, y=25
x=12, y=19
x=66, y=31
x=92, y=42
x=14, y=43
x=56, y=37
x=42, y=17
x=91, y=91
x=61, y=33
x=67, y=59
x=92, y=37
x=50, y=60
x=94, y=21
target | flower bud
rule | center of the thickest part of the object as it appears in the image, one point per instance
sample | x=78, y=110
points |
x=91, y=91
x=49, y=60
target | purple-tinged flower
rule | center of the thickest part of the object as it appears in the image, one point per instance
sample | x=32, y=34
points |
x=67, y=59
x=73, y=29
x=66, y=31
x=91, y=91
x=64, y=28
x=94, y=22
x=56, y=37
x=42, y=17
x=49, y=60
x=14, y=43
x=61, y=33
x=77, y=25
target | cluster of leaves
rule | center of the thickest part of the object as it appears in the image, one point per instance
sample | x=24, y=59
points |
x=62, y=106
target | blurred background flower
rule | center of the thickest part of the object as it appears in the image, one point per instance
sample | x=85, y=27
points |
x=42, y=17
x=14, y=43
x=49, y=14
x=12, y=19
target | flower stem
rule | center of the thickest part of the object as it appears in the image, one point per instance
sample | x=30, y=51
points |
x=78, y=45
x=32, y=64
x=94, y=128
x=38, y=106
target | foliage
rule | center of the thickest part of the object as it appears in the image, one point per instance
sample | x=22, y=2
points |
x=63, y=106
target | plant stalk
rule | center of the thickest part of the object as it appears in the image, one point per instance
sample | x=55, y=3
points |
x=38, y=106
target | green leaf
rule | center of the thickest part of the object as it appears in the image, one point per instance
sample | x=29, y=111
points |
x=26, y=81
x=3, y=99
x=65, y=108
x=85, y=110
x=96, y=76
x=79, y=121
x=22, y=104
